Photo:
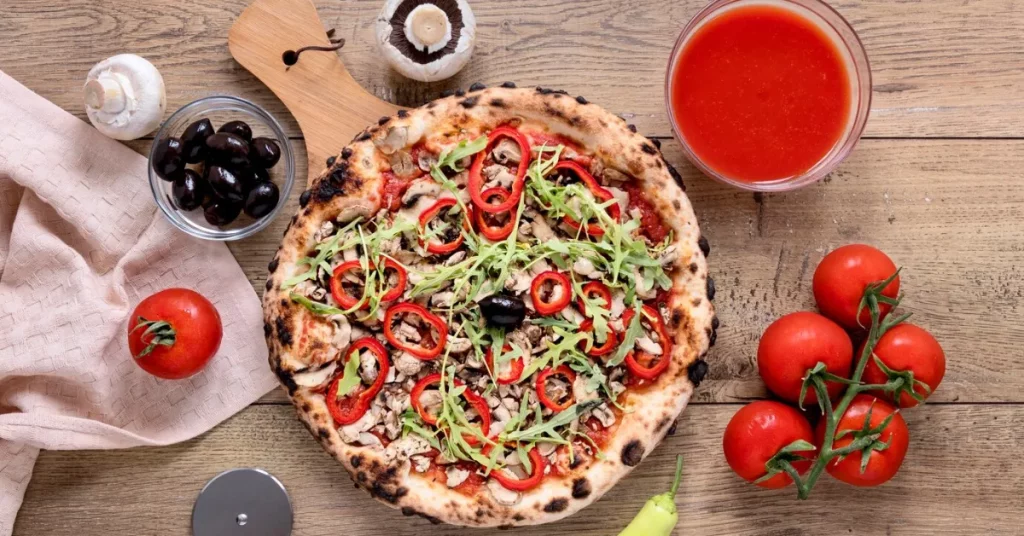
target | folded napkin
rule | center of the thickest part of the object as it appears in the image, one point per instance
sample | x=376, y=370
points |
x=81, y=243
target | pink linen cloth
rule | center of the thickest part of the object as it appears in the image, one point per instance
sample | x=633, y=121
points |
x=81, y=243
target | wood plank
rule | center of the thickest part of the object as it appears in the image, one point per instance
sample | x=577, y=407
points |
x=942, y=68
x=150, y=491
x=960, y=254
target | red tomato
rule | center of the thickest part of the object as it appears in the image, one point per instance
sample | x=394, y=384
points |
x=882, y=464
x=757, y=432
x=797, y=342
x=842, y=276
x=174, y=333
x=908, y=347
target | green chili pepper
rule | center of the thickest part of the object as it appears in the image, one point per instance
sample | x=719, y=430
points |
x=658, y=516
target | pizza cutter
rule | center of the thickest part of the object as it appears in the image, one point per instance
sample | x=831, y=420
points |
x=242, y=502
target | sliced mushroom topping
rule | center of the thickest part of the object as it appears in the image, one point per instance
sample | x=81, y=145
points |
x=456, y=476
x=533, y=333
x=519, y=282
x=572, y=315
x=402, y=165
x=367, y=439
x=507, y=152
x=580, y=391
x=498, y=176
x=546, y=448
x=367, y=369
x=350, y=433
x=646, y=344
x=501, y=494
x=391, y=140
x=420, y=463
x=621, y=196
x=542, y=230
x=442, y=299
x=392, y=425
x=618, y=303
x=324, y=232
x=669, y=257
x=407, y=364
x=426, y=161
x=315, y=378
x=502, y=415
x=585, y=267
x=616, y=388
x=605, y=415
x=458, y=345
x=419, y=188
x=455, y=258
x=512, y=459
x=644, y=289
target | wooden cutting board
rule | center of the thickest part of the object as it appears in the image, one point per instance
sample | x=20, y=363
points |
x=329, y=105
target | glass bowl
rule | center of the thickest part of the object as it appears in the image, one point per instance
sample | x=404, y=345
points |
x=221, y=109
x=845, y=38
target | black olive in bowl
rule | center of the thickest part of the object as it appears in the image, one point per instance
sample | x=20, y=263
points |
x=168, y=159
x=238, y=128
x=264, y=152
x=194, y=139
x=228, y=149
x=225, y=184
x=503, y=311
x=262, y=199
x=189, y=190
x=221, y=212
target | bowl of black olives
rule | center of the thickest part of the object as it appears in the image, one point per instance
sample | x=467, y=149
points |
x=221, y=168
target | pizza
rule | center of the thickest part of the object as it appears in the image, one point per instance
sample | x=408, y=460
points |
x=486, y=308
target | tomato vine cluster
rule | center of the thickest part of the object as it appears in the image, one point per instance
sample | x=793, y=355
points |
x=806, y=358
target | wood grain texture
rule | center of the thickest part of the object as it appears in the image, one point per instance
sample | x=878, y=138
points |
x=942, y=68
x=338, y=109
x=956, y=481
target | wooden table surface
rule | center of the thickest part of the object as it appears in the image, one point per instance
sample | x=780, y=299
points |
x=937, y=182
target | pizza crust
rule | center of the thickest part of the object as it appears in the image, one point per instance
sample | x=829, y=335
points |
x=351, y=187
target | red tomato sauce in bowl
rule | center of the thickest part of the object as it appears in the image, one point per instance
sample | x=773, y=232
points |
x=762, y=93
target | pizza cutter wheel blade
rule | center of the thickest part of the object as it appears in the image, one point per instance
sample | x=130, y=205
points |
x=242, y=502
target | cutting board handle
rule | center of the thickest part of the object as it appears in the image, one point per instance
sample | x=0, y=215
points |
x=329, y=105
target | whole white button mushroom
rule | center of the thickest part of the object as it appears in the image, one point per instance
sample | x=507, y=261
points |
x=125, y=97
x=426, y=40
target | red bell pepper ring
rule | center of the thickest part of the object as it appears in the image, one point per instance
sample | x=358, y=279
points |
x=347, y=301
x=475, y=401
x=516, y=367
x=608, y=346
x=600, y=193
x=351, y=407
x=423, y=353
x=596, y=289
x=537, y=463
x=434, y=246
x=633, y=363
x=475, y=184
x=551, y=304
x=495, y=232
x=542, y=393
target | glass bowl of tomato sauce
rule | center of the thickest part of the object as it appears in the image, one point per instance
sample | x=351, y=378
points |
x=768, y=95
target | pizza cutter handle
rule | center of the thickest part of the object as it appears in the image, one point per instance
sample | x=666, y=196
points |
x=329, y=105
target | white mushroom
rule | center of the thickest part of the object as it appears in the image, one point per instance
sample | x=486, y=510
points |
x=125, y=97
x=542, y=230
x=367, y=369
x=507, y=152
x=391, y=140
x=580, y=391
x=501, y=494
x=583, y=266
x=605, y=415
x=342, y=331
x=367, y=439
x=457, y=345
x=420, y=463
x=408, y=364
x=406, y=447
x=646, y=344
x=402, y=164
x=456, y=476
x=618, y=303
x=426, y=41
x=315, y=378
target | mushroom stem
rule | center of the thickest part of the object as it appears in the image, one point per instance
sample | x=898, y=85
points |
x=105, y=94
x=429, y=26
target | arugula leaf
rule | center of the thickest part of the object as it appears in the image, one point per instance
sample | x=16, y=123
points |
x=539, y=431
x=315, y=307
x=350, y=376
x=634, y=331
x=452, y=157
